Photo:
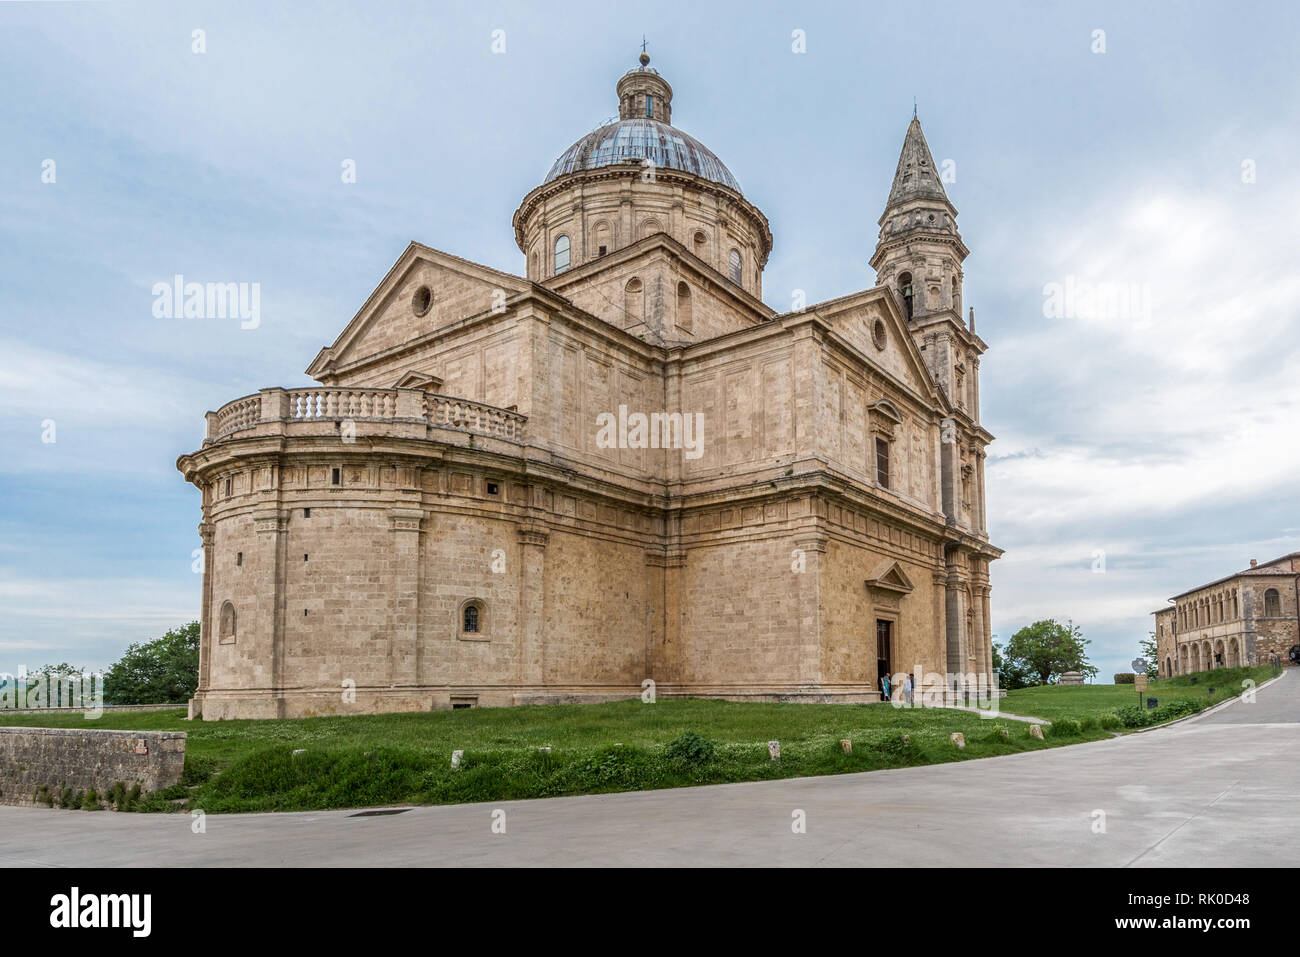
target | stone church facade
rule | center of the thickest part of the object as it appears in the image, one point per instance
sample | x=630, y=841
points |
x=620, y=466
x=1247, y=618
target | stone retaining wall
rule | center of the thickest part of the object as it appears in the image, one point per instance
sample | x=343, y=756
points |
x=81, y=759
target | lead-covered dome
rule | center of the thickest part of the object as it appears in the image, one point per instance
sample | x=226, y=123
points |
x=602, y=196
x=637, y=139
x=643, y=131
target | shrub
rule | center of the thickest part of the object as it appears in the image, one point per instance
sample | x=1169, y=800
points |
x=690, y=748
x=1134, y=717
x=1064, y=728
x=1109, y=721
x=1126, y=679
x=197, y=770
x=621, y=767
x=902, y=749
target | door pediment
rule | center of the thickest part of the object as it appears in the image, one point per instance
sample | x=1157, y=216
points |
x=889, y=580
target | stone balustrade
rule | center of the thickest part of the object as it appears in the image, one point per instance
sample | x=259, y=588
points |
x=448, y=412
x=332, y=404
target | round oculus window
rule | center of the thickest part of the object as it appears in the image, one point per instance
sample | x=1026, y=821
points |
x=422, y=301
x=878, y=334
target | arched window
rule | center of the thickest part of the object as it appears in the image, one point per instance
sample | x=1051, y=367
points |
x=685, y=320
x=633, y=302
x=735, y=268
x=905, y=290
x=561, y=254
x=650, y=227
x=227, y=626
x=602, y=241
x=1169, y=667
x=533, y=260
x=700, y=244
x=473, y=620
x=956, y=297
x=1272, y=604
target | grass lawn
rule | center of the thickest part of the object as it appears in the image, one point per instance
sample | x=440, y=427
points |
x=369, y=760
x=1078, y=702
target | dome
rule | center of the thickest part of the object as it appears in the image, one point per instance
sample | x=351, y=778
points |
x=639, y=138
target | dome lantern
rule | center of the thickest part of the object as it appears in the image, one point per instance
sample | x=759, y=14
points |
x=644, y=94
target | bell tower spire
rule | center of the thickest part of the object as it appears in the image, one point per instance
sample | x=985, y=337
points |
x=919, y=255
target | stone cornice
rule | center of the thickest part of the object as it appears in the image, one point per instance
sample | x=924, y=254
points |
x=632, y=170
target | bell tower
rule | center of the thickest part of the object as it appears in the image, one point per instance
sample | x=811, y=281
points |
x=919, y=256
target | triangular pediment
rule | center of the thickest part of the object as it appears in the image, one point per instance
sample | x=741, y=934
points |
x=889, y=576
x=869, y=321
x=418, y=380
x=425, y=290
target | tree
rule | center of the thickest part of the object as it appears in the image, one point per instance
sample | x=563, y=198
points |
x=1151, y=653
x=162, y=671
x=1011, y=674
x=1047, y=649
x=61, y=670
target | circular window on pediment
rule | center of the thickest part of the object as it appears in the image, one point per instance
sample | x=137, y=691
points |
x=878, y=334
x=422, y=301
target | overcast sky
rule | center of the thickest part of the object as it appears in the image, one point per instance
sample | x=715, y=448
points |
x=1160, y=431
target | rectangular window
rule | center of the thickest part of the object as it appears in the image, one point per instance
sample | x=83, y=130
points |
x=492, y=488
x=649, y=106
x=239, y=558
x=306, y=513
x=336, y=476
x=882, y=463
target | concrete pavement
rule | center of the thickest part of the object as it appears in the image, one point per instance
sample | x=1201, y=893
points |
x=1220, y=790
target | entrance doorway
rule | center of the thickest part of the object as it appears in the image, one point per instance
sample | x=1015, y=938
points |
x=884, y=648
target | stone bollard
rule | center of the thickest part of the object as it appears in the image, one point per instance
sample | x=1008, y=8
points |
x=847, y=745
x=1036, y=731
x=456, y=757
x=545, y=750
x=1003, y=733
x=774, y=750
x=907, y=739
x=299, y=752
x=959, y=739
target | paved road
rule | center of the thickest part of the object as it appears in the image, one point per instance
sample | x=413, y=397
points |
x=1221, y=789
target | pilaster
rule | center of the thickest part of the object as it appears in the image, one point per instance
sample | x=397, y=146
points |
x=404, y=525
x=532, y=591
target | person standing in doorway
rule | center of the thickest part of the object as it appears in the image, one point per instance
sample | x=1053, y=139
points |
x=884, y=687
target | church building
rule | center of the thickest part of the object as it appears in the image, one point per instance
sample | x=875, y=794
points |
x=622, y=470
